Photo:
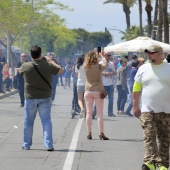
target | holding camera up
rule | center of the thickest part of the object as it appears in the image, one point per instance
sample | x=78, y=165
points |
x=93, y=88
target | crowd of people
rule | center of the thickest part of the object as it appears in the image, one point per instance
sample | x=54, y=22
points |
x=95, y=76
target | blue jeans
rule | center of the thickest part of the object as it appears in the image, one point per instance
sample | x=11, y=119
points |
x=122, y=98
x=43, y=106
x=110, y=91
x=129, y=90
x=54, y=85
x=129, y=108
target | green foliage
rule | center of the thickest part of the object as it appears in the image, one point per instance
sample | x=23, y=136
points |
x=131, y=33
x=88, y=41
x=129, y=3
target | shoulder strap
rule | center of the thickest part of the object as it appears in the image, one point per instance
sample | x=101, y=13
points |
x=99, y=66
x=41, y=75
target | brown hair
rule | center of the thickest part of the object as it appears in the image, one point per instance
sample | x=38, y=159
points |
x=91, y=58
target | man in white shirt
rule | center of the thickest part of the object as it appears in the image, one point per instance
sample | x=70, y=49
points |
x=107, y=77
x=154, y=82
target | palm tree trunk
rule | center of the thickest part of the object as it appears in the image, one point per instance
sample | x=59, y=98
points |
x=155, y=21
x=126, y=10
x=160, y=22
x=149, y=9
x=140, y=17
x=165, y=21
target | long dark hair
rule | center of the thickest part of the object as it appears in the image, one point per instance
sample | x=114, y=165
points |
x=80, y=62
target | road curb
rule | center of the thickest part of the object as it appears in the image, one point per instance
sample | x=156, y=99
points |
x=2, y=96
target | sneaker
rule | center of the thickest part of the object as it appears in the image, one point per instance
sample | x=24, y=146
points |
x=50, y=149
x=129, y=114
x=121, y=112
x=22, y=105
x=163, y=168
x=1, y=91
x=25, y=148
x=147, y=166
x=73, y=113
x=82, y=114
x=77, y=110
x=118, y=112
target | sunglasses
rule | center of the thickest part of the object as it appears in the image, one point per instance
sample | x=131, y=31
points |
x=108, y=55
x=23, y=56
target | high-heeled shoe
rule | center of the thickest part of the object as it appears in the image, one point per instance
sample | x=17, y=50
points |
x=89, y=136
x=102, y=136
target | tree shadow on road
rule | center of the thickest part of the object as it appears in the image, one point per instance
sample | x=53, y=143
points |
x=128, y=140
x=78, y=150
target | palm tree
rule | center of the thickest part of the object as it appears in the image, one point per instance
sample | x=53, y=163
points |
x=160, y=22
x=148, y=9
x=131, y=33
x=155, y=21
x=127, y=4
x=140, y=16
x=165, y=21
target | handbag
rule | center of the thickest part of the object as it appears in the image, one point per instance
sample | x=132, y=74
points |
x=103, y=94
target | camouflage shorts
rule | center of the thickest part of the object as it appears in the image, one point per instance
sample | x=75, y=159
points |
x=156, y=130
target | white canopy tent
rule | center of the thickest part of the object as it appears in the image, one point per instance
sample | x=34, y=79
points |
x=136, y=45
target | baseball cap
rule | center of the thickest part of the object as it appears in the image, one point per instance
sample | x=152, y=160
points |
x=153, y=48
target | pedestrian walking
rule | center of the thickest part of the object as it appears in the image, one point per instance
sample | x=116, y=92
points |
x=67, y=74
x=93, y=89
x=81, y=81
x=128, y=69
x=54, y=81
x=38, y=96
x=153, y=84
x=121, y=86
x=60, y=76
x=133, y=72
x=107, y=77
x=75, y=105
x=2, y=63
x=20, y=80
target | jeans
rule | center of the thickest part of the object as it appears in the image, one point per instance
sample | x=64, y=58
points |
x=75, y=97
x=122, y=98
x=110, y=91
x=60, y=76
x=129, y=90
x=1, y=81
x=20, y=87
x=43, y=106
x=8, y=83
x=54, y=85
x=129, y=108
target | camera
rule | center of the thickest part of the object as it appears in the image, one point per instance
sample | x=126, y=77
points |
x=99, y=49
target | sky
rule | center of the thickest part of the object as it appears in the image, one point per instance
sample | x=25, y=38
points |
x=94, y=16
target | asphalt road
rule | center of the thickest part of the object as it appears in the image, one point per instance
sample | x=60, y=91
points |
x=124, y=150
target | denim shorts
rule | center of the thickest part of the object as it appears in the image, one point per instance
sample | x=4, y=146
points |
x=80, y=89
